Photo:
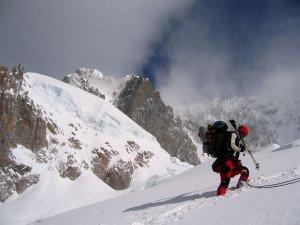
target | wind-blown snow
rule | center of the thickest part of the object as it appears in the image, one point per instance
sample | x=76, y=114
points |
x=189, y=198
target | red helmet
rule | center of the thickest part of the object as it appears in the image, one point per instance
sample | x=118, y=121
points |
x=243, y=130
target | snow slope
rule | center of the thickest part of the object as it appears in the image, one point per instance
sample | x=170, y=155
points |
x=189, y=198
x=95, y=124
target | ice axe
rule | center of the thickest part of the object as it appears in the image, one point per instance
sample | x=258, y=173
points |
x=233, y=123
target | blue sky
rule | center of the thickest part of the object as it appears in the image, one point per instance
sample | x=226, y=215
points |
x=209, y=48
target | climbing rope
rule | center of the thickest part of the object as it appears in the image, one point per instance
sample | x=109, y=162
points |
x=280, y=184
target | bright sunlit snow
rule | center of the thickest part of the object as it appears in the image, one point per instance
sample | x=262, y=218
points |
x=189, y=198
x=95, y=123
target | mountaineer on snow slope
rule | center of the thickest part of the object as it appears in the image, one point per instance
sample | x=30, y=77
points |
x=226, y=147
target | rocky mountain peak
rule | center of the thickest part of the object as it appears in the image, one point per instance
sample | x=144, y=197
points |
x=136, y=91
x=82, y=79
x=143, y=104
x=50, y=129
x=136, y=97
x=88, y=73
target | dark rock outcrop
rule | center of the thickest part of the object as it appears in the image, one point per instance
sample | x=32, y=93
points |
x=80, y=79
x=141, y=103
x=21, y=120
x=69, y=168
x=14, y=181
x=142, y=159
x=118, y=175
x=21, y=124
x=100, y=161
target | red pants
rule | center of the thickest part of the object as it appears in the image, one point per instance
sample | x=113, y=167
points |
x=229, y=168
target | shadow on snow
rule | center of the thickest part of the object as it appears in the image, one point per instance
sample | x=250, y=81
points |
x=285, y=147
x=174, y=200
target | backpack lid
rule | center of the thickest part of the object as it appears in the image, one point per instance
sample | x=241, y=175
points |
x=220, y=126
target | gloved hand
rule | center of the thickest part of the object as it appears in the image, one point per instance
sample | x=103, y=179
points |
x=243, y=147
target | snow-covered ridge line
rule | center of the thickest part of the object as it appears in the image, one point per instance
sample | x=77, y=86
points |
x=93, y=81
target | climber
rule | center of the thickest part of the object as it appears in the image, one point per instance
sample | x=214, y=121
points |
x=228, y=164
x=226, y=147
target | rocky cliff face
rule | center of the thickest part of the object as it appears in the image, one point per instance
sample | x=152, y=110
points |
x=21, y=124
x=81, y=79
x=141, y=103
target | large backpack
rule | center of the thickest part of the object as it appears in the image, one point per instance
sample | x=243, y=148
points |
x=216, y=139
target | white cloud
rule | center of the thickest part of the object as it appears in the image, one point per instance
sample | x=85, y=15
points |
x=203, y=66
x=58, y=36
